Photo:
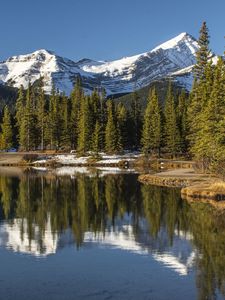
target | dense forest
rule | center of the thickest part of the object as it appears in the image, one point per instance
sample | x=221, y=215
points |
x=183, y=124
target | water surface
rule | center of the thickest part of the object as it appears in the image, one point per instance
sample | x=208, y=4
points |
x=106, y=237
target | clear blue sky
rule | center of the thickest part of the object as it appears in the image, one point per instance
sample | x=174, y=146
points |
x=104, y=29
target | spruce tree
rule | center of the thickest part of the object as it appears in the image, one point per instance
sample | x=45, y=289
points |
x=182, y=120
x=196, y=112
x=54, y=129
x=102, y=117
x=84, y=127
x=41, y=116
x=209, y=143
x=77, y=97
x=171, y=132
x=20, y=109
x=122, y=117
x=7, y=131
x=96, y=139
x=203, y=53
x=152, y=131
x=135, y=121
x=65, y=134
x=28, y=131
x=111, y=133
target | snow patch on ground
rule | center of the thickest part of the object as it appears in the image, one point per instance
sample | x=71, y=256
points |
x=72, y=159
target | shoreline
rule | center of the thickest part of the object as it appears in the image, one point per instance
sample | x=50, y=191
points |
x=124, y=160
x=194, y=186
x=165, y=172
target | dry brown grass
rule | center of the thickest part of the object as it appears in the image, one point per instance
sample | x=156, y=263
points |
x=214, y=190
x=218, y=186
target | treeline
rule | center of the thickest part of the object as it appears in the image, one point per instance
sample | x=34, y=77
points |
x=80, y=122
x=93, y=123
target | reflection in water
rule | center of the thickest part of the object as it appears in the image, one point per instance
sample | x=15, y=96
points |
x=42, y=214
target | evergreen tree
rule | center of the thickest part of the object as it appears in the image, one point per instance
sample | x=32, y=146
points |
x=28, y=132
x=96, y=139
x=196, y=112
x=84, y=127
x=41, y=115
x=20, y=109
x=171, y=132
x=54, y=129
x=182, y=120
x=102, y=117
x=111, y=132
x=203, y=53
x=7, y=131
x=122, y=125
x=209, y=142
x=95, y=104
x=135, y=121
x=65, y=135
x=77, y=97
x=201, y=89
x=152, y=131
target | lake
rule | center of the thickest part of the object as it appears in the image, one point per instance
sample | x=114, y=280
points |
x=106, y=236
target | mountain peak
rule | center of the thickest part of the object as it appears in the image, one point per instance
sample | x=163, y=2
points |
x=174, y=42
x=44, y=51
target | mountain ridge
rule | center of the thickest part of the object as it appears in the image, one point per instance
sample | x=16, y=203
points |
x=173, y=58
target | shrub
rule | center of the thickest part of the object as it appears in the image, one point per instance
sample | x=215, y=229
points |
x=30, y=157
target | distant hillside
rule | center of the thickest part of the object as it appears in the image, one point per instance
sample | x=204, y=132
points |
x=8, y=96
x=161, y=88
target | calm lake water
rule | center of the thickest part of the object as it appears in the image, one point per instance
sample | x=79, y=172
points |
x=106, y=237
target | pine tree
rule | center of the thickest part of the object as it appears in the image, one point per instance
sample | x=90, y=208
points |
x=65, y=135
x=28, y=130
x=135, y=121
x=182, y=120
x=152, y=131
x=196, y=112
x=111, y=133
x=41, y=115
x=84, y=127
x=102, y=117
x=203, y=53
x=77, y=97
x=171, y=132
x=20, y=109
x=96, y=139
x=95, y=104
x=201, y=89
x=122, y=125
x=54, y=129
x=7, y=131
x=209, y=143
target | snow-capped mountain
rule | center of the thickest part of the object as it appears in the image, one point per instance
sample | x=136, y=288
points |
x=173, y=58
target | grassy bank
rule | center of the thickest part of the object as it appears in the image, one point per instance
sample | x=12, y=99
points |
x=194, y=186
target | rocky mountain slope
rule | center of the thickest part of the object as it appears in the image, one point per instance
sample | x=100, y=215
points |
x=173, y=58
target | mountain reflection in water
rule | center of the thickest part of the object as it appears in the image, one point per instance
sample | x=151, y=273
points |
x=41, y=215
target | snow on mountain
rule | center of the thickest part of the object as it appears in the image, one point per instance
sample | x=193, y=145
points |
x=172, y=58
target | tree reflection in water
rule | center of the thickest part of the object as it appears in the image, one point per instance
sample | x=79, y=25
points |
x=51, y=205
